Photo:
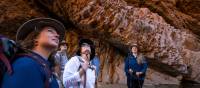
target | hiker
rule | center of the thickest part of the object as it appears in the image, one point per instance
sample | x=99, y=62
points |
x=61, y=57
x=56, y=70
x=96, y=62
x=78, y=70
x=40, y=36
x=135, y=68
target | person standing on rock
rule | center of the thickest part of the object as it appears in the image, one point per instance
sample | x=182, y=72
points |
x=135, y=68
x=61, y=57
x=78, y=72
x=96, y=62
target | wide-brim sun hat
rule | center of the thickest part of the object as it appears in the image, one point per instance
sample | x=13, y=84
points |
x=35, y=24
x=87, y=41
x=63, y=42
x=134, y=45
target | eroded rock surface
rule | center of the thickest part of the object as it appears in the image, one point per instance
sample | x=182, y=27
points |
x=167, y=33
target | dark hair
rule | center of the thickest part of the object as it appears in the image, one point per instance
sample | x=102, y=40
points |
x=62, y=44
x=29, y=42
x=53, y=60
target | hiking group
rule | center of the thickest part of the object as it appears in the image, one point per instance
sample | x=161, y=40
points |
x=38, y=59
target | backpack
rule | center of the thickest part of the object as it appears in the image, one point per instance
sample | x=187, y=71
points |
x=10, y=51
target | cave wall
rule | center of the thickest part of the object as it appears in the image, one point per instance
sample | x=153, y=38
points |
x=13, y=13
x=121, y=24
x=112, y=62
x=166, y=32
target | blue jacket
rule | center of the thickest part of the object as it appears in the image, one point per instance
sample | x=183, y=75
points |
x=96, y=62
x=131, y=63
x=27, y=73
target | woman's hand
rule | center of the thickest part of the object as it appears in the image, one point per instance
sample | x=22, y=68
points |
x=138, y=74
x=86, y=56
x=130, y=71
x=84, y=67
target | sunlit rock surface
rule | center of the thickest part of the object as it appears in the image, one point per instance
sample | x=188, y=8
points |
x=167, y=33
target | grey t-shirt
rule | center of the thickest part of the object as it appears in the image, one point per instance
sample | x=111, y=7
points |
x=62, y=58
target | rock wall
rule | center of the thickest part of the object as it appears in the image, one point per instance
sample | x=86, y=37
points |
x=112, y=62
x=179, y=13
x=122, y=25
x=13, y=13
x=167, y=33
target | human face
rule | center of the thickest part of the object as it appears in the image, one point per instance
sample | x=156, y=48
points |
x=48, y=38
x=85, y=51
x=85, y=48
x=134, y=49
x=63, y=47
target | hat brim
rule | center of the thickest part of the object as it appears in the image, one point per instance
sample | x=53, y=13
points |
x=63, y=44
x=88, y=41
x=32, y=24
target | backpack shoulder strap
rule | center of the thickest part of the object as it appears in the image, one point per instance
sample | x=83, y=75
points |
x=7, y=51
x=85, y=78
x=4, y=59
x=45, y=67
x=81, y=61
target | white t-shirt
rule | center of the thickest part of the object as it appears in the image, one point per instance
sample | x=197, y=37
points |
x=71, y=77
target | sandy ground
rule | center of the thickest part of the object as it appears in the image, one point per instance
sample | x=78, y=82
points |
x=104, y=85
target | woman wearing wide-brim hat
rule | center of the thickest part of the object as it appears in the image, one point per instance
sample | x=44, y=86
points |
x=40, y=36
x=135, y=67
x=78, y=70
